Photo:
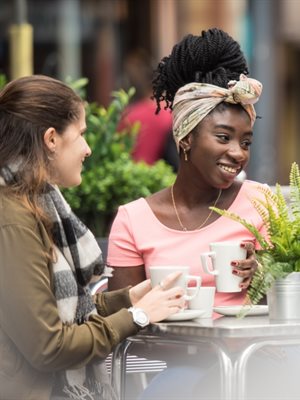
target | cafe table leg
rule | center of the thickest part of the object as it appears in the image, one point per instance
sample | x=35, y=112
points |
x=226, y=369
x=240, y=366
x=118, y=368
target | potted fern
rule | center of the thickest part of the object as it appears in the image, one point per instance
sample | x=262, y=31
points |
x=279, y=257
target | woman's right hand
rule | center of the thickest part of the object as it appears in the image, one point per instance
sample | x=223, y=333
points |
x=163, y=300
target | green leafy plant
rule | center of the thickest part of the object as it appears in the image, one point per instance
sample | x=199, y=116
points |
x=3, y=80
x=110, y=177
x=280, y=252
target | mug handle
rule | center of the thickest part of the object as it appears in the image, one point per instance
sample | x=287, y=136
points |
x=204, y=257
x=189, y=278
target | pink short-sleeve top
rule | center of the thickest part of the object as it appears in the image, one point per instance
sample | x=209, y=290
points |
x=137, y=237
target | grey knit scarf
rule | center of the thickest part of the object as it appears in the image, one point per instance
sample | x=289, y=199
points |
x=78, y=259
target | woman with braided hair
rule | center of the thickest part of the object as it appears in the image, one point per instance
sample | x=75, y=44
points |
x=214, y=58
x=205, y=85
x=204, y=82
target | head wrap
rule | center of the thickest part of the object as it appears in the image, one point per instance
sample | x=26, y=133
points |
x=195, y=100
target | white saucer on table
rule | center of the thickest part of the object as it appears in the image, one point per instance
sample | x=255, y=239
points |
x=249, y=310
x=185, y=315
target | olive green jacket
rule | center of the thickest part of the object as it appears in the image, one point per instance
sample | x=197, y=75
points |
x=33, y=341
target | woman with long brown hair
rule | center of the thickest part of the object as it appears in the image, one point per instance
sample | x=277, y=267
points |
x=54, y=335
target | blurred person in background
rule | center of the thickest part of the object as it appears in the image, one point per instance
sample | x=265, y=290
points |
x=154, y=140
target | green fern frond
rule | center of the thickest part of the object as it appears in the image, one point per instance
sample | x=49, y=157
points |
x=279, y=206
x=268, y=194
x=295, y=175
x=261, y=209
x=295, y=190
x=272, y=209
x=258, y=236
x=274, y=213
x=297, y=265
x=281, y=202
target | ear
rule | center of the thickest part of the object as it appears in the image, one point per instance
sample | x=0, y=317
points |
x=50, y=139
x=186, y=142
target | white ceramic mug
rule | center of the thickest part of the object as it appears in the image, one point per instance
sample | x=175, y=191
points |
x=203, y=300
x=221, y=255
x=159, y=273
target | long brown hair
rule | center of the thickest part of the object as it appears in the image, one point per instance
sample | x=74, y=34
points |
x=28, y=107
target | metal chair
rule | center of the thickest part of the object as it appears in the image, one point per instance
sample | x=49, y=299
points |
x=138, y=368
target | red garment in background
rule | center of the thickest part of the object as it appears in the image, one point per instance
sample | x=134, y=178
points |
x=154, y=130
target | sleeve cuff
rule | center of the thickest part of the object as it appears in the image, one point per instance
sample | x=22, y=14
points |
x=108, y=303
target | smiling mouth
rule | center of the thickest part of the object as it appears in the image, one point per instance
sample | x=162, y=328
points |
x=231, y=170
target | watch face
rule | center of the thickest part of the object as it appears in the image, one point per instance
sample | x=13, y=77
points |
x=142, y=317
x=139, y=316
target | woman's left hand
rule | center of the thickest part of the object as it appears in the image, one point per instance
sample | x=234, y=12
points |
x=138, y=291
x=246, y=268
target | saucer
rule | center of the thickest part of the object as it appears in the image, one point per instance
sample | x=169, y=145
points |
x=185, y=315
x=234, y=310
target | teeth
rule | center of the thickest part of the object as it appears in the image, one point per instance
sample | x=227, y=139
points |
x=229, y=169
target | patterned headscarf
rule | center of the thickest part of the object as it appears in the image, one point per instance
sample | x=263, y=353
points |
x=195, y=100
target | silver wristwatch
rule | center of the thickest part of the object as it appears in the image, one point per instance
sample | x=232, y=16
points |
x=139, y=316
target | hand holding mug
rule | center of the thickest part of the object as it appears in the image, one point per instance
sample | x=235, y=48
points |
x=247, y=267
x=224, y=256
x=159, y=273
x=162, y=300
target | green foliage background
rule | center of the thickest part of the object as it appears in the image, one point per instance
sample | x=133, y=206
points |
x=110, y=177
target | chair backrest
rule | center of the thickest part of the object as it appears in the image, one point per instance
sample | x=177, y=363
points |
x=101, y=284
x=103, y=243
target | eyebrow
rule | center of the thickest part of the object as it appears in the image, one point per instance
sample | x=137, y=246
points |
x=231, y=129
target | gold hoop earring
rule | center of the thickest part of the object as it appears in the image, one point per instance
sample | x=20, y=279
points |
x=185, y=155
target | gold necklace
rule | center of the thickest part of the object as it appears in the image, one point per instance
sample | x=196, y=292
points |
x=206, y=219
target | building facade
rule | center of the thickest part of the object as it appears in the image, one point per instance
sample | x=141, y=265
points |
x=92, y=38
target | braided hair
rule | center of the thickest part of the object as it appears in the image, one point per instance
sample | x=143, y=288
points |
x=214, y=57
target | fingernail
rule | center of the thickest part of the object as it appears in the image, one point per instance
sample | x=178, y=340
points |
x=234, y=263
x=235, y=272
x=243, y=244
